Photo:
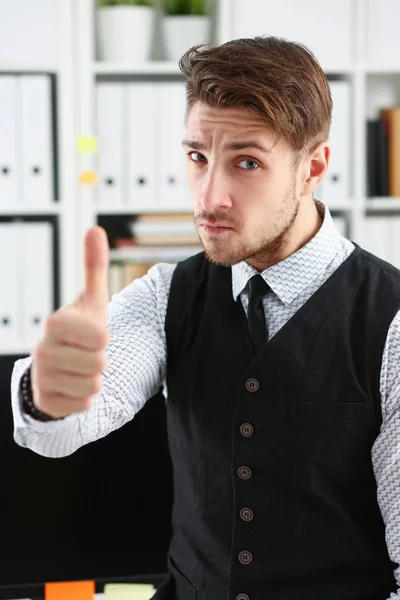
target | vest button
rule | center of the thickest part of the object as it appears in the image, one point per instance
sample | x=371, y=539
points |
x=247, y=514
x=246, y=430
x=242, y=597
x=244, y=472
x=252, y=385
x=245, y=557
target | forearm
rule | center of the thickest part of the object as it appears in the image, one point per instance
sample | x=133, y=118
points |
x=136, y=365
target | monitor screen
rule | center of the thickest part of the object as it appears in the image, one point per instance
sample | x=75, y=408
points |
x=102, y=513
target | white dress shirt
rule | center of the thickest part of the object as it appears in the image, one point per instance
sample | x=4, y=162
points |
x=137, y=362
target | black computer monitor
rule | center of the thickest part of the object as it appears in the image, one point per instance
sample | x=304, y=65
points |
x=102, y=513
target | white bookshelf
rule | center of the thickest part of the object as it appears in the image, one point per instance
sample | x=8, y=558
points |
x=77, y=72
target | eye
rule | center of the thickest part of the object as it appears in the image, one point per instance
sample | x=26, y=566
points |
x=200, y=157
x=250, y=165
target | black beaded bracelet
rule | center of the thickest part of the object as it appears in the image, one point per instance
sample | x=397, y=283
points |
x=27, y=399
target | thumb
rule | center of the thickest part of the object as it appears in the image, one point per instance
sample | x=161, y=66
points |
x=94, y=296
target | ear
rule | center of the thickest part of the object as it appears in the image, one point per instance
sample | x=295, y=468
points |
x=314, y=168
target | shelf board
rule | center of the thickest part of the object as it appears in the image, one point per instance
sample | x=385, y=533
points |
x=143, y=254
x=339, y=205
x=382, y=69
x=349, y=69
x=28, y=67
x=133, y=210
x=6, y=211
x=342, y=205
x=151, y=67
x=382, y=204
x=16, y=349
x=165, y=67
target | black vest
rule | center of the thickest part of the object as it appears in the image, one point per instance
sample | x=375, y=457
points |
x=274, y=492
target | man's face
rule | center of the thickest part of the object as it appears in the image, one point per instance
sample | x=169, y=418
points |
x=246, y=198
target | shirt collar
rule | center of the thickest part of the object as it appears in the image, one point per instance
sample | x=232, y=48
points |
x=290, y=277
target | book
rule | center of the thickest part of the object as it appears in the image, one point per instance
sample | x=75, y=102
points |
x=383, y=158
x=372, y=182
x=391, y=120
x=377, y=158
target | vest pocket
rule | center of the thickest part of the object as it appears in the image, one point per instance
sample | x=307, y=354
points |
x=339, y=434
x=321, y=411
x=184, y=589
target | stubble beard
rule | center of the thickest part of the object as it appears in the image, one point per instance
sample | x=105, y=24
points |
x=267, y=250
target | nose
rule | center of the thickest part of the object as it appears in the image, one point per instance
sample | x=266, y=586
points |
x=215, y=193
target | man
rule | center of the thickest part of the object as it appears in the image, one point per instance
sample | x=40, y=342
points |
x=279, y=346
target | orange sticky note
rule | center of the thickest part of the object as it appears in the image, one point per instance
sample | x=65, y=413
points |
x=88, y=178
x=69, y=590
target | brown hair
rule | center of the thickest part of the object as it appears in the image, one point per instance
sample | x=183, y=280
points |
x=270, y=76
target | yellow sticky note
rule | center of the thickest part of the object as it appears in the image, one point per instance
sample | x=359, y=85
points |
x=88, y=178
x=87, y=144
x=78, y=590
x=128, y=591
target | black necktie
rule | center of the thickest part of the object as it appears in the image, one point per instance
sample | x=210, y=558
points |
x=256, y=318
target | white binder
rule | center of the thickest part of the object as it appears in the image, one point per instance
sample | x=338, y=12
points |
x=36, y=135
x=174, y=190
x=327, y=28
x=9, y=174
x=142, y=146
x=36, y=283
x=9, y=276
x=336, y=183
x=111, y=131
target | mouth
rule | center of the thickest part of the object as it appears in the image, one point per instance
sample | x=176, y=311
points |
x=215, y=227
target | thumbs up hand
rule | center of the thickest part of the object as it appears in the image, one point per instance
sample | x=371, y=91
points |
x=68, y=360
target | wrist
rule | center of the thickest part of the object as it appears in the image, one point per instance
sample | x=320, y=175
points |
x=28, y=405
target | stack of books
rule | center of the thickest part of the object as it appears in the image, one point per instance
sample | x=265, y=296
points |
x=155, y=238
x=165, y=230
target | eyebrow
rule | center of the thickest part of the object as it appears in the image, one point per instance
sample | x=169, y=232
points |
x=232, y=146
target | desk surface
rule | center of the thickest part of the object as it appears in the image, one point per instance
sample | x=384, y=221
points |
x=96, y=597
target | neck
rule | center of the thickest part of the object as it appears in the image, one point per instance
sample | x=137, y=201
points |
x=306, y=225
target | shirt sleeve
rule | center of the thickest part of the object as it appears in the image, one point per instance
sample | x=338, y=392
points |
x=386, y=448
x=136, y=369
